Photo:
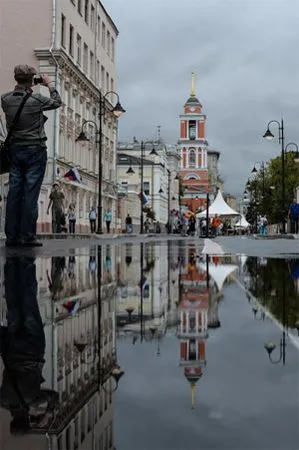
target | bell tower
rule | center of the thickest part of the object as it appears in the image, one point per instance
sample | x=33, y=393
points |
x=193, y=149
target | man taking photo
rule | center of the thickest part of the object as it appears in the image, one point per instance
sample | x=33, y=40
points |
x=27, y=152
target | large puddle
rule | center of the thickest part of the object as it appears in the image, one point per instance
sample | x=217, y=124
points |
x=149, y=347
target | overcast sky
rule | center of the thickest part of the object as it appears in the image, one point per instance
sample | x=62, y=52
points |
x=245, y=55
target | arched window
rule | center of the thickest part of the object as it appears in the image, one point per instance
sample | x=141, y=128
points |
x=192, y=162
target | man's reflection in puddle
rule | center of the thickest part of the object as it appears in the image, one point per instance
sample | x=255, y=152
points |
x=22, y=351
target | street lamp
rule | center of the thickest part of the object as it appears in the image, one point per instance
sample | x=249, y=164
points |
x=269, y=346
x=117, y=111
x=254, y=170
x=269, y=136
x=296, y=158
x=116, y=374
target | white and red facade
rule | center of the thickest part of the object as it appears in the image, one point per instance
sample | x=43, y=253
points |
x=192, y=330
x=193, y=149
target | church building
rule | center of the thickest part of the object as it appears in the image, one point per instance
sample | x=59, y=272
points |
x=193, y=150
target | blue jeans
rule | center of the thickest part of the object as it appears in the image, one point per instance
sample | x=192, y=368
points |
x=28, y=165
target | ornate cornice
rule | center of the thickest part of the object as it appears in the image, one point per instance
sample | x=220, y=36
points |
x=71, y=73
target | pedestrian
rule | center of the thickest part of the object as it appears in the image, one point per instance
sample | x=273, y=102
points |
x=293, y=215
x=27, y=153
x=146, y=225
x=108, y=217
x=92, y=219
x=129, y=224
x=57, y=204
x=1, y=212
x=192, y=225
x=72, y=218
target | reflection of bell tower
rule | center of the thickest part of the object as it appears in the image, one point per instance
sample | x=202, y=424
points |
x=193, y=148
x=193, y=321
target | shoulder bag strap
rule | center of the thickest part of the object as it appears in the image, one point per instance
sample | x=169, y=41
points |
x=17, y=116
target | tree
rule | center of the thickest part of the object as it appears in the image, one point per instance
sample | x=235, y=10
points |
x=271, y=203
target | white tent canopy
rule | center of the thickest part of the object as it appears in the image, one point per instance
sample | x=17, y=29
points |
x=242, y=223
x=220, y=272
x=219, y=207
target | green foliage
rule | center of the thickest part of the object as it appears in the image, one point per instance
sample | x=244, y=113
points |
x=273, y=286
x=271, y=204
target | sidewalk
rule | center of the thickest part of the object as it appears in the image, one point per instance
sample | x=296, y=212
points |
x=276, y=236
x=67, y=236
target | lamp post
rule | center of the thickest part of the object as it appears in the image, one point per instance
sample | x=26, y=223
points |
x=254, y=170
x=269, y=346
x=117, y=111
x=115, y=372
x=269, y=136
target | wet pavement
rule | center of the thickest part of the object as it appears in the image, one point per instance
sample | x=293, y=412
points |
x=149, y=345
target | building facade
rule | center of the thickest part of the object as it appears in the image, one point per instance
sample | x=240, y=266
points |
x=193, y=150
x=159, y=179
x=74, y=41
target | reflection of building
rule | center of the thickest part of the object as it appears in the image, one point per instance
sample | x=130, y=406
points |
x=193, y=308
x=85, y=412
x=136, y=312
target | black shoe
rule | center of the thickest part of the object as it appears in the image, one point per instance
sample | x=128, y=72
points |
x=33, y=243
x=12, y=243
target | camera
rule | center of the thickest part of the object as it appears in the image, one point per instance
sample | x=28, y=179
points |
x=38, y=80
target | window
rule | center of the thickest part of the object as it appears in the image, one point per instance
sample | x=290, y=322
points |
x=91, y=65
x=108, y=43
x=92, y=17
x=192, y=161
x=99, y=28
x=111, y=84
x=112, y=49
x=107, y=82
x=86, y=11
x=103, y=35
x=102, y=77
x=85, y=58
x=192, y=129
x=146, y=187
x=71, y=41
x=79, y=49
x=79, y=7
x=62, y=30
x=98, y=73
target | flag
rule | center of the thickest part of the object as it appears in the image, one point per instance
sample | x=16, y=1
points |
x=73, y=175
x=72, y=306
x=144, y=197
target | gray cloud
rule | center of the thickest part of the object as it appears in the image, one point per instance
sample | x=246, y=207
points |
x=244, y=54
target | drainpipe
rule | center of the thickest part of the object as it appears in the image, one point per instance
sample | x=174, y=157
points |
x=55, y=127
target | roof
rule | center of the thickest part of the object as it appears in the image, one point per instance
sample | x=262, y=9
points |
x=193, y=101
x=219, y=207
x=109, y=18
x=126, y=160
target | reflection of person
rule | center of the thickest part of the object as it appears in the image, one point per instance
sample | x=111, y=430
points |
x=56, y=280
x=22, y=351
